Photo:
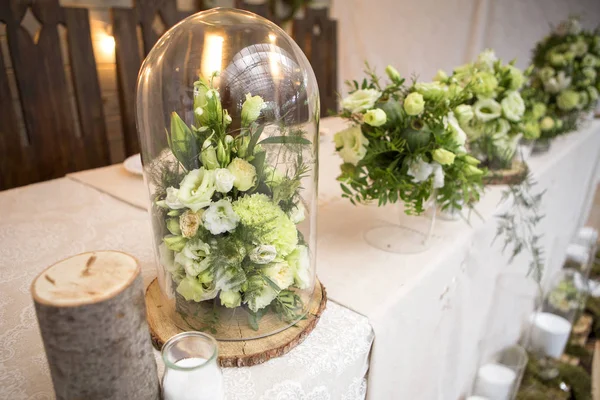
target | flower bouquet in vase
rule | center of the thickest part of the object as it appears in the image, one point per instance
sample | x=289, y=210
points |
x=566, y=77
x=404, y=144
x=493, y=117
x=228, y=134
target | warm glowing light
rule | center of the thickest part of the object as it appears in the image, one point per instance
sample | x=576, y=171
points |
x=272, y=38
x=107, y=45
x=212, y=55
x=274, y=60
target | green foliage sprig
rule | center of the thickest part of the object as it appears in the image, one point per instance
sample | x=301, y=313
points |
x=519, y=225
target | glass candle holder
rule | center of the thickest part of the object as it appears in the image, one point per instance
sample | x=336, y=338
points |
x=500, y=372
x=516, y=297
x=579, y=257
x=551, y=328
x=191, y=370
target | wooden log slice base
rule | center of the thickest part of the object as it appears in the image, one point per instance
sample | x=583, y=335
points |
x=512, y=176
x=242, y=353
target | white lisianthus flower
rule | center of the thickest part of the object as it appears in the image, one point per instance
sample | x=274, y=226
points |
x=375, y=117
x=351, y=144
x=251, y=109
x=197, y=188
x=502, y=127
x=420, y=170
x=243, y=172
x=230, y=298
x=513, y=106
x=557, y=83
x=172, y=199
x=224, y=180
x=432, y=90
x=280, y=273
x=297, y=213
x=193, y=257
x=392, y=73
x=464, y=113
x=485, y=60
x=438, y=176
x=458, y=134
x=361, y=100
x=263, y=254
x=273, y=177
x=299, y=261
x=487, y=109
x=220, y=217
x=189, y=222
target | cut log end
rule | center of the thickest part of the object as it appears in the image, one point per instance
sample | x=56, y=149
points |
x=86, y=278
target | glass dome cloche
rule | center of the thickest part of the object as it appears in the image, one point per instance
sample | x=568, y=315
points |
x=227, y=114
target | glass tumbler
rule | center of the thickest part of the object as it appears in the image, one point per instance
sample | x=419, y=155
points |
x=191, y=369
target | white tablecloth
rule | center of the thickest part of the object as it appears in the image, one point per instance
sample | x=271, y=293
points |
x=43, y=223
x=429, y=310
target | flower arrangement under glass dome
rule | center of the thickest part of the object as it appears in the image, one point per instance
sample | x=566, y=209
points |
x=566, y=76
x=227, y=117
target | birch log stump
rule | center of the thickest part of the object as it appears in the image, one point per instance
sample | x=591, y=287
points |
x=92, y=317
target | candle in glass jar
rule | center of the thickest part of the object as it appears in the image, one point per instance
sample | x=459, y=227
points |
x=549, y=334
x=495, y=381
x=196, y=381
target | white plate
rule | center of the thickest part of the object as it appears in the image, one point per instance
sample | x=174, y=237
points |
x=133, y=164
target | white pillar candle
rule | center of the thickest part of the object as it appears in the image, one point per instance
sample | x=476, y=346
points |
x=549, y=334
x=495, y=382
x=202, y=383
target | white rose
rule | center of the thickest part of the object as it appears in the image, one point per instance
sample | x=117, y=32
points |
x=197, y=188
x=224, y=180
x=244, y=173
x=172, y=199
x=263, y=254
x=487, y=109
x=361, y=100
x=351, y=144
x=513, y=106
x=220, y=217
x=420, y=170
x=189, y=222
x=280, y=273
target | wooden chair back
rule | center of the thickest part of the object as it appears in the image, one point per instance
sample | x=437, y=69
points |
x=58, y=136
x=316, y=35
x=154, y=17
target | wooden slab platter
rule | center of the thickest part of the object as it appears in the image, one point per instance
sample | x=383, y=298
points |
x=235, y=353
x=512, y=176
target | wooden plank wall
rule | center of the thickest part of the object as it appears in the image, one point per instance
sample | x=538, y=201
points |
x=105, y=61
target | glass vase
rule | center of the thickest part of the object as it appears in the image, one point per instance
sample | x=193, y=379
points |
x=191, y=369
x=500, y=371
x=516, y=298
x=227, y=114
x=551, y=327
x=400, y=238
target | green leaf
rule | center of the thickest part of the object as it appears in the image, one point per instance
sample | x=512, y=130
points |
x=285, y=140
x=259, y=165
x=254, y=137
x=183, y=143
